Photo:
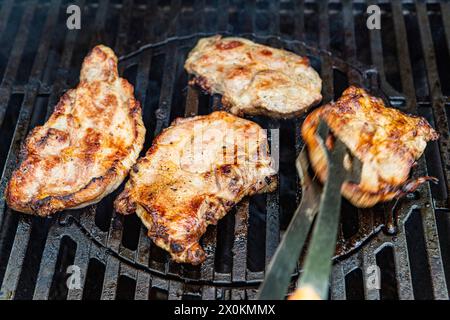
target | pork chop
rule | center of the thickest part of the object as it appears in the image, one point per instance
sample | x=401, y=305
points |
x=194, y=173
x=86, y=148
x=385, y=140
x=253, y=78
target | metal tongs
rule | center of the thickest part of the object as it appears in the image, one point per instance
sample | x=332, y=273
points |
x=326, y=201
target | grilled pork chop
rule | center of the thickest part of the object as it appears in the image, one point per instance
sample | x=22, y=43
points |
x=87, y=146
x=253, y=78
x=385, y=140
x=194, y=173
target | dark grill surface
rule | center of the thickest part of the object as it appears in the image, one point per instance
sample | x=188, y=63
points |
x=406, y=62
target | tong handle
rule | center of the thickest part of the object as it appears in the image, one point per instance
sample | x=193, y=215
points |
x=305, y=293
x=278, y=274
x=314, y=281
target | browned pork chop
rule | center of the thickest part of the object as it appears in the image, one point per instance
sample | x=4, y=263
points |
x=253, y=78
x=385, y=140
x=87, y=146
x=194, y=173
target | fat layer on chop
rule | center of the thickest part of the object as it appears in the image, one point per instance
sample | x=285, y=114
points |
x=87, y=146
x=386, y=141
x=253, y=78
x=194, y=173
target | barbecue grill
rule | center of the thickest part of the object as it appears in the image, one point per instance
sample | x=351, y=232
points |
x=406, y=62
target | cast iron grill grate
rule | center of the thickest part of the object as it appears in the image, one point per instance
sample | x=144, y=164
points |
x=39, y=60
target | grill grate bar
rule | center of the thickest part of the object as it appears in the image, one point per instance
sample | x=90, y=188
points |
x=239, y=271
x=163, y=111
x=14, y=60
x=209, y=243
x=16, y=259
x=299, y=23
x=5, y=13
x=434, y=89
x=161, y=284
x=111, y=277
x=87, y=220
x=143, y=251
x=376, y=48
x=272, y=204
x=23, y=231
x=199, y=14
x=354, y=77
x=222, y=15
x=124, y=26
x=434, y=253
x=42, y=53
x=62, y=71
x=445, y=11
x=175, y=290
x=239, y=249
x=250, y=8
x=116, y=227
x=48, y=265
x=238, y=294
x=99, y=23
x=338, y=282
x=368, y=260
x=350, y=43
x=142, y=255
x=5, y=95
x=208, y=293
x=175, y=9
x=19, y=134
x=402, y=268
x=143, y=284
x=19, y=45
x=191, y=108
x=404, y=61
x=429, y=220
x=37, y=69
x=324, y=44
x=402, y=265
x=274, y=12
x=82, y=256
x=24, y=226
x=4, y=92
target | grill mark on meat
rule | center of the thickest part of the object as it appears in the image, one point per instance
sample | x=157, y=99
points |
x=266, y=52
x=54, y=134
x=238, y=71
x=228, y=45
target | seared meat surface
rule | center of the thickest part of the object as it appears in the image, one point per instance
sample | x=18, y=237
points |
x=385, y=140
x=253, y=78
x=87, y=146
x=194, y=173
